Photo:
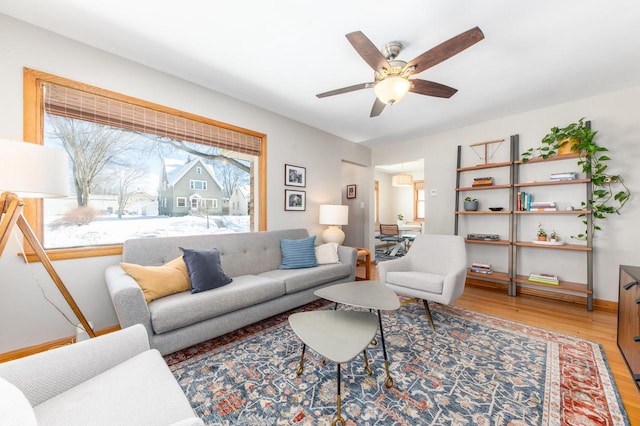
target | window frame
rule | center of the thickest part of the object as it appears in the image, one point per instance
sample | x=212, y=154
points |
x=33, y=128
x=416, y=200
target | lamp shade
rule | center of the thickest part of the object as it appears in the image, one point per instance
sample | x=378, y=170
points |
x=33, y=171
x=402, y=179
x=392, y=89
x=333, y=214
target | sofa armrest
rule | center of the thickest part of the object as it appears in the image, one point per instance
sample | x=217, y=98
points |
x=127, y=298
x=47, y=374
x=349, y=256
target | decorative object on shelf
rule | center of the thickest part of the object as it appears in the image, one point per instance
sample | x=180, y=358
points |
x=486, y=155
x=541, y=234
x=482, y=181
x=554, y=237
x=496, y=209
x=33, y=171
x=351, y=191
x=470, y=204
x=400, y=219
x=295, y=200
x=591, y=158
x=295, y=176
x=333, y=215
x=402, y=179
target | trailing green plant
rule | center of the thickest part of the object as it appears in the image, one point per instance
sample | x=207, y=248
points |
x=592, y=158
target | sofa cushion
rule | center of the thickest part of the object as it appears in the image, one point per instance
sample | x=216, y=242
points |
x=298, y=253
x=423, y=281
x=15, y=409
x=327, y=253
x=183, y=309
x=116, y=396
x=159, y=281
x=297, y=280
x=205, y=271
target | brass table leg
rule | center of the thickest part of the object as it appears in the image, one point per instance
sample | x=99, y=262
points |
x=301, y=365
x=367, y=368
x=338, y=418
x=389, y=381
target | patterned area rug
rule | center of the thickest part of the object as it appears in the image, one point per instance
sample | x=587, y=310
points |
x=473, y=370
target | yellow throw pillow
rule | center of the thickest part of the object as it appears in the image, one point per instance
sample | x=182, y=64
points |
x=159, y=281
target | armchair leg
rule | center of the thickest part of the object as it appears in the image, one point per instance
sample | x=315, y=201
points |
x=426, y=308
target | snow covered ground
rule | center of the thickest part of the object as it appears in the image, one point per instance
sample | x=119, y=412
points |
x=111, y=230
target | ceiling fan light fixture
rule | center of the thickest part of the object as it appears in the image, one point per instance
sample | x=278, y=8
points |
x=392, y=89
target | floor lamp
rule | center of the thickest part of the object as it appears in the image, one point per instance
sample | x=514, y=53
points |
x=33, y=171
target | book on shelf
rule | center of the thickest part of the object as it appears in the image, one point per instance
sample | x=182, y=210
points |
x=524, y=201
x=543, y=209
x=544, y=278
x=481, y=268
x=538, y=204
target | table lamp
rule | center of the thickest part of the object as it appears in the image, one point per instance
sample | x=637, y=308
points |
x=333, y=215
x=33, y=171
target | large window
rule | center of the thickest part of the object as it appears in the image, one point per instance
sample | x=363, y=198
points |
x=137, y=169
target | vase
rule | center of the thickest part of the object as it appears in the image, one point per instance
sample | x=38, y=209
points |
x=471, y=206
x=566, y=146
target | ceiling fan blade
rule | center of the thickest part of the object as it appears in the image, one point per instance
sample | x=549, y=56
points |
x=445, y=50
x=346, y=89
x=377, y=108
x=430, y=88
x=368, y=51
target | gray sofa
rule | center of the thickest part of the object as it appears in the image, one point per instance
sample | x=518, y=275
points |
x=113, y=379
x=259, y=289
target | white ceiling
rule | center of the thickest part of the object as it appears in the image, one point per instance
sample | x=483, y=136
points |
x=278, y=54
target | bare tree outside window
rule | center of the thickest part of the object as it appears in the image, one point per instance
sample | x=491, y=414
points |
x=127, y=184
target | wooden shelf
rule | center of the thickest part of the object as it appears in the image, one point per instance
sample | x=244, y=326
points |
x=494, y=276
x=483, y=166
x=578, y=212
x=562, y=285
x=544, y=160
x=495, y=243
x=551, y=182
x=484, y=212
x=574, y=247
x=479, y=188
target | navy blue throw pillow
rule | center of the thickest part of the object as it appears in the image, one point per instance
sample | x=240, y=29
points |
x=298, y=253
x=205, y=271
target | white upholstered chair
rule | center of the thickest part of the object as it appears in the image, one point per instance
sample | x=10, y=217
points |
x=434, y=269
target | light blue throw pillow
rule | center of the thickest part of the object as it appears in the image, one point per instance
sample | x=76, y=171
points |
x=298, y=253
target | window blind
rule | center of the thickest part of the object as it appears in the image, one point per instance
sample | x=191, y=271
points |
x=74, y=103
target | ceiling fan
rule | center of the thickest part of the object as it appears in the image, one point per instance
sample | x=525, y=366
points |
x=391, y=77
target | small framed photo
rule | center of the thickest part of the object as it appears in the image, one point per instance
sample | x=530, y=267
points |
x=295, y=176
x=295, y=200
x=351, y=191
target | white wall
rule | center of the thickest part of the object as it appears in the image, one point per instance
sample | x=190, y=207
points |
x=614, y=115
x=25, y=318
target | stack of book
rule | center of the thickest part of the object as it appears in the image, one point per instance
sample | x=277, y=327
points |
x=563, y=176
x=481, y=268
x=483, y=181
x=543, y=206
x=523, y=201
x=544, y=278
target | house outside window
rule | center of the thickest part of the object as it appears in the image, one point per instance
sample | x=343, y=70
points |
x=143, y=142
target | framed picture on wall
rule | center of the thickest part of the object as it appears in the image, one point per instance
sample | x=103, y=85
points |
x=295, y=200
x=351, y=191
x=295, y=176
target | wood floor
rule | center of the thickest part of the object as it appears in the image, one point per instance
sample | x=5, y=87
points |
x=564, y=317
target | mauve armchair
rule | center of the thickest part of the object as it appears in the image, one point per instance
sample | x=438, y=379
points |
x=434, y=269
